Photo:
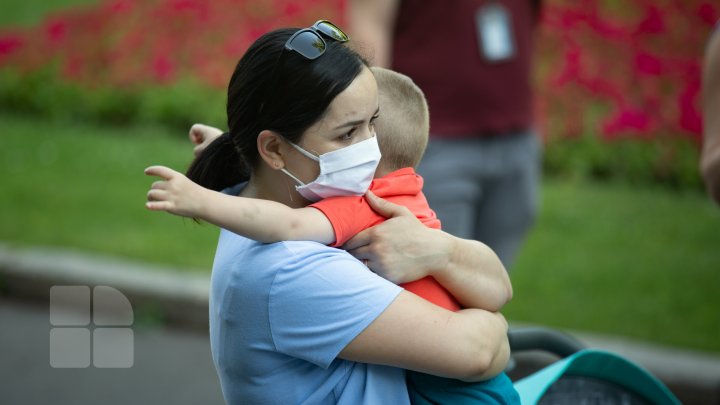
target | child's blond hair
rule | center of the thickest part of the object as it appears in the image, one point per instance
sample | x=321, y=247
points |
x=404, y=123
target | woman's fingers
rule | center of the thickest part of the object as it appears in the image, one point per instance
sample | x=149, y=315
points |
x=386, y=208
x=356, y=242
x=361, y=253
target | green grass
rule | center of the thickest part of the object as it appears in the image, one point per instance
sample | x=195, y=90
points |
x=28, y=12
x=635, y=261
x=604, y=257
x=82, y=186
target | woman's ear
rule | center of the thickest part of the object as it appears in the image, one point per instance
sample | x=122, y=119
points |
x=272, y=148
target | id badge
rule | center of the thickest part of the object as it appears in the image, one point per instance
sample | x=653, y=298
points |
x=494, y=31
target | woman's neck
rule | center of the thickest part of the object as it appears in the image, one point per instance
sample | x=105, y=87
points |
x=275, y=186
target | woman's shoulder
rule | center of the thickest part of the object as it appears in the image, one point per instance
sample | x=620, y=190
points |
x=235, y=248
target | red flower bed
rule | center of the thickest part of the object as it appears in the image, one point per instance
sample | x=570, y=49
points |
x=627, y=68
x=616, y=68
x=130, y=42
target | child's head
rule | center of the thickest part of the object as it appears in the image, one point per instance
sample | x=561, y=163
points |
x=404, y=122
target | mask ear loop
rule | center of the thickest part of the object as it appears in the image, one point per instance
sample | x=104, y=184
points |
x=292, y=177
x=304, y=153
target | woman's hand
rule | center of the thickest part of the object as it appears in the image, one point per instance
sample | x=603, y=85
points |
x=203, y=135
x=401, y=249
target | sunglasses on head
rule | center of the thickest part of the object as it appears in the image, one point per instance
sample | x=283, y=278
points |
x=309, y=42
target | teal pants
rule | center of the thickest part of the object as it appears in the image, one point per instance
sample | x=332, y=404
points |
x=427, y=389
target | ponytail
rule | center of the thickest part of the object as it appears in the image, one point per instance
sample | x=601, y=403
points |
x=219, y=166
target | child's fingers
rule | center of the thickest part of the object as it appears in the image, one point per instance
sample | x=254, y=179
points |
x=161, y=171
x=158, y=205
x=197, y=133
x=159, y=185
x=156, y=195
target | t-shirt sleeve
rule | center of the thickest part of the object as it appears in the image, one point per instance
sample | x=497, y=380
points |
x=348, y=216
x=321, y=299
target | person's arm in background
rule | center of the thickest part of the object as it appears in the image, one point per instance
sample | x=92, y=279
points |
x=402, y=249
x=710, y=158
x=371, y=26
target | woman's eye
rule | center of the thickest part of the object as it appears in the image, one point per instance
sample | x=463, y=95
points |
x=348, y=136
x=372, y=123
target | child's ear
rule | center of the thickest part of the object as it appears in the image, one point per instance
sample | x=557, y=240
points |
x=272, y=148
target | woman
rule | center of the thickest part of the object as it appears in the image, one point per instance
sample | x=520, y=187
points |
x=299, y=322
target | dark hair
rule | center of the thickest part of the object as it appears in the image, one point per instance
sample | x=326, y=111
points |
x=274, y=89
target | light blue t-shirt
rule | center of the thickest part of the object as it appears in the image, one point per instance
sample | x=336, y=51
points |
x=280, y=314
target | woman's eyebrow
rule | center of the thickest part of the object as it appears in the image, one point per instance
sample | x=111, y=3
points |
x=356, y=122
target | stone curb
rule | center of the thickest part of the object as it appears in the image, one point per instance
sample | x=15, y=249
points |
x=182, y=297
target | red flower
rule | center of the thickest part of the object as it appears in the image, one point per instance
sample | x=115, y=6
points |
x=708, y=13
x=653, y=22
x=10, y=44
x=163, y=68
x=648, y=64
x=56, y=31
x=626, y=120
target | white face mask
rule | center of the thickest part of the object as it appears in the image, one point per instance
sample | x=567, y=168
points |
x=343, y=172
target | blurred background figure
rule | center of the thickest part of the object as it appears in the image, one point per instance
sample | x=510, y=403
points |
x=473, y=60
x=710, y=158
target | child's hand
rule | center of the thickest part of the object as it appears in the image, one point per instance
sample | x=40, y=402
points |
x=175, y=194
x=203, y=135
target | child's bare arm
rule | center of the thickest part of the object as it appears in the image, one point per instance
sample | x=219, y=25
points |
x=261, y=220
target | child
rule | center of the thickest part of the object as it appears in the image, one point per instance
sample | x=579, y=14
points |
x=403, y=132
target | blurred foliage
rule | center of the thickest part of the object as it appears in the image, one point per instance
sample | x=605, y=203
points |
x=669, y=161
x=28, y=12
x=618, y=86
x=178, y=105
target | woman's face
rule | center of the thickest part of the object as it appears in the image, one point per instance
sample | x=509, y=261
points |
x=349, y=119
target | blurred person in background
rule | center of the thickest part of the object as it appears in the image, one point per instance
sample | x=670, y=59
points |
x=473, y=60
x=710, y=158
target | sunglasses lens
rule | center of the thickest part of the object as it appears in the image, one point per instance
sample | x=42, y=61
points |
x=308, y=44
x=329, y=29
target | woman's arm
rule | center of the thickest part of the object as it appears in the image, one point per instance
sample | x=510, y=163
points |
x=402, y=249
x=414, y=334
x=262, y=220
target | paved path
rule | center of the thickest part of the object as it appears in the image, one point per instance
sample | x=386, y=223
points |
x=171, y=366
